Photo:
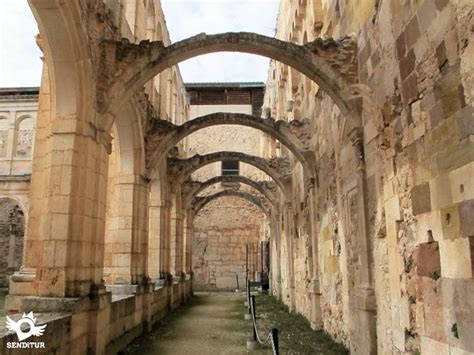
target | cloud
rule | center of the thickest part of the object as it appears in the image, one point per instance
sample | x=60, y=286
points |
x=20, y=63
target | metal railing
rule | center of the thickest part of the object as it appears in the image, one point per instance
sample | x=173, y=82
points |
x=272, y=336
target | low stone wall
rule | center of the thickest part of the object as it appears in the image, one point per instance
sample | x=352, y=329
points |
x=106, y=323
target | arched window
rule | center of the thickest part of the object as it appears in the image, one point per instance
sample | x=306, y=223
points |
x=24, y=138
x=3, y=136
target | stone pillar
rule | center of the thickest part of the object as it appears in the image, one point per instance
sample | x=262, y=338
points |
x=188, y=239
x=316, y=313
x=176, y=233
x=365, y=295
x=64, y=246
x=290, y=257
x=275, y=246
x=140, y=231
x=155, y=236
x=165, y=240
x=126, y=246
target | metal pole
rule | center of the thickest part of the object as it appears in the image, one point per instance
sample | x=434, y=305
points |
x=275, y=346
x=246, y=261
x=248, y=315
x=254, y=312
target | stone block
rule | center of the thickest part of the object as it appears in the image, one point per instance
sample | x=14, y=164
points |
x=426, y=258
x=440, y=192
x=450, y=222
x=431, y=346
x=462, y=183
x=433, y=304
x=429, y=227
x=466, y=219
x=426, y=14
x=407, y=65
x=412, y=32
x=465, y=122
x=456, y=258
x=419, y=131
x=410, y=88
x=458, y=351
x=421, y=201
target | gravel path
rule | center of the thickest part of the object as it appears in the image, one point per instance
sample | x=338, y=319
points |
x=210, y=324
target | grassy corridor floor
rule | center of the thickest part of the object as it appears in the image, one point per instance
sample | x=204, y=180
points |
x=213, y=323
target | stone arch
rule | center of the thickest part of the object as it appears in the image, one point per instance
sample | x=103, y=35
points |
x=331, y=64
x=129, y=142
x=259, y=186
x=199, y=203
x=167, y=135
x=66, y=52
x=180, y=169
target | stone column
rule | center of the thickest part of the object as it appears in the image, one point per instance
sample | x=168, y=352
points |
x=65, y=243
x=155, y=236
x=316, y=315
x=64, y=247
x=188, y=239
x=126, y=246
x=176, y=233
x=165, y=240
x=290, y=257
x=365, y=295
x=140, y=231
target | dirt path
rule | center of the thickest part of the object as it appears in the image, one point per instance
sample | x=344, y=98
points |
x=210, y=324
x=213, y=324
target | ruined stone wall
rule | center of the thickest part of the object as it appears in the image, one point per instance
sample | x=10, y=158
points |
x=416, y=100
x=221, y=231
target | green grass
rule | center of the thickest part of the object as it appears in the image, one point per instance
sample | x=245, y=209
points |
x=295, y=333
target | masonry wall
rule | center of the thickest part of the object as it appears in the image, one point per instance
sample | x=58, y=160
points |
x=416, y=100
x=221, y=231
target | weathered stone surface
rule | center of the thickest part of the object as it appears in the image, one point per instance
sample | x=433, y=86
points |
x=421, y=199
x=426, y=259
x=466, y=219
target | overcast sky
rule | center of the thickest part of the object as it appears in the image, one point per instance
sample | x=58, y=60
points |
x=20, y=63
